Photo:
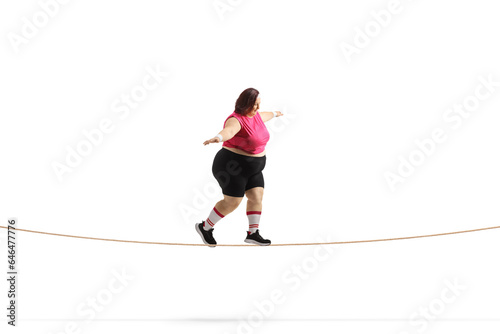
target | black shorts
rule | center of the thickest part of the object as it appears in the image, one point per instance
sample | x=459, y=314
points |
x=237, y=173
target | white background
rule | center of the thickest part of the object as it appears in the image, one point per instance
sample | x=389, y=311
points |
x=345, y=125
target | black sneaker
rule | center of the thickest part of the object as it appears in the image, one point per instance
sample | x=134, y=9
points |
x=255, y=238
x=206, y=236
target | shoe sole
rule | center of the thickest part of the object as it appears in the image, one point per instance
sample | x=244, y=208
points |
x=250, y=241
x=201, y=235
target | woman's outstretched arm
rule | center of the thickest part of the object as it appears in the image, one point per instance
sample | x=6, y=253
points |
x=231, y=128
x=267, y=115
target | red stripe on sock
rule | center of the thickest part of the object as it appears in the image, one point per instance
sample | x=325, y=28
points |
x=218, y=213
x=253, y=212
x=210, y=222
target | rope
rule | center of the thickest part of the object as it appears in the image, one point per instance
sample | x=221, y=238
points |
x=247, y=245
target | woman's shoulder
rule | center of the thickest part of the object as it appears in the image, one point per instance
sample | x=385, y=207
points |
x=232, y=120
x=239, y=117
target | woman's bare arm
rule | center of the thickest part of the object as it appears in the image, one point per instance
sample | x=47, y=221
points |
x=267, y=115
x=231, y=128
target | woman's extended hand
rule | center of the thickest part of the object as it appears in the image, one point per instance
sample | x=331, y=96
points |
x=279, y=113
x=213, y=140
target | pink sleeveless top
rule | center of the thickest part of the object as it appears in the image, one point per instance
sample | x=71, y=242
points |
x=253, y=136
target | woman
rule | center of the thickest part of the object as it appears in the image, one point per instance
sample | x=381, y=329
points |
x=238, y=166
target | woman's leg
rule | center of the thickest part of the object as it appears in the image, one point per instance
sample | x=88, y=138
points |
x=254, y=197
x=228, y=204
x=254, y=207
x=227, y=170
x=222, y=209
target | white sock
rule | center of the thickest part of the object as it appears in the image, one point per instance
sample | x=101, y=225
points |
x=212, y=219
x=253, y=220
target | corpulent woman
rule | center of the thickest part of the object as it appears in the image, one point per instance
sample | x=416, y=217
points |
x=238, y=166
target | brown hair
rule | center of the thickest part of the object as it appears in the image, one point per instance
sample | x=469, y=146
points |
x=246, y=101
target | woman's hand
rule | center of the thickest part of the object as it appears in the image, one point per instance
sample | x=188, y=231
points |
x=279, y=113
x=213, y=140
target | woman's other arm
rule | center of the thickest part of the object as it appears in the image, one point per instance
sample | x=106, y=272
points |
x=267, y=115
x=231, y=128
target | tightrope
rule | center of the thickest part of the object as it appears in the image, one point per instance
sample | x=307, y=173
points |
x=251, y=245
